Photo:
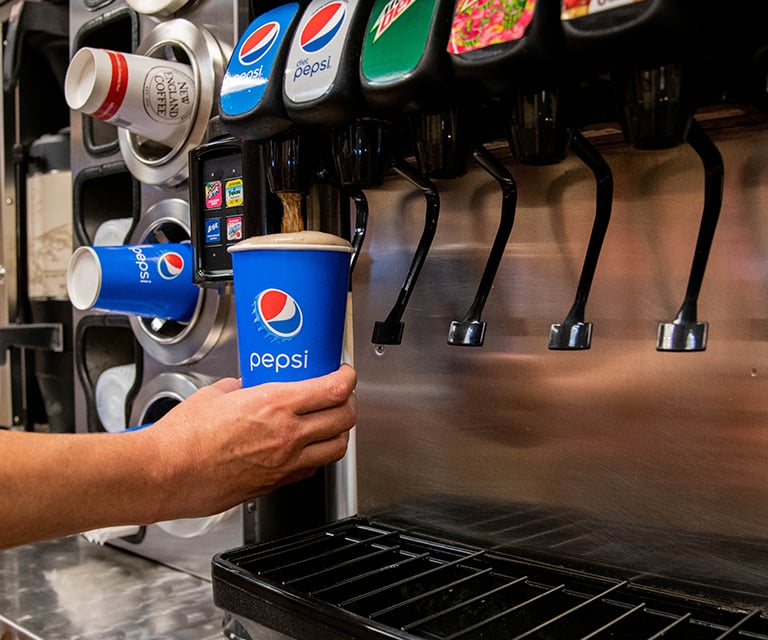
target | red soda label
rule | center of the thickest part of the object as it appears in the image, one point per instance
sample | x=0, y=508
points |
x=482, y=23
x=213, y=195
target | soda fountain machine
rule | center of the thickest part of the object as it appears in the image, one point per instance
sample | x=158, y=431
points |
x=521, y=491
x=526, y=488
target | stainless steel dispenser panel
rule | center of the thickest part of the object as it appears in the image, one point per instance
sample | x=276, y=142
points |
x=620, y=438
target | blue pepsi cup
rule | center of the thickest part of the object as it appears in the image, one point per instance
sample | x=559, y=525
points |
x=290, y=303
x=148, y=280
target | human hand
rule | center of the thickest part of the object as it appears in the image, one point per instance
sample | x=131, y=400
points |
x=226, y=444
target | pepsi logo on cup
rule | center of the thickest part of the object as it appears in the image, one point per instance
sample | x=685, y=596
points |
x=322, y=27
x=256, y=45
x=170, y=265
x=278, y=314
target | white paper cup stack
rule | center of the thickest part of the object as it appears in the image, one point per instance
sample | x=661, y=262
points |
x=151, y=97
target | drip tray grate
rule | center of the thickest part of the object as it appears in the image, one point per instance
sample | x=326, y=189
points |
x=358, y=580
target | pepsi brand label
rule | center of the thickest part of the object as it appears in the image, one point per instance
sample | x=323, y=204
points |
x=168, y=266
x=252, y=60
x=317, y=49
x=278, y=315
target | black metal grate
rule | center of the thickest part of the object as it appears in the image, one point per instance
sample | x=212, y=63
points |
x=371, y=581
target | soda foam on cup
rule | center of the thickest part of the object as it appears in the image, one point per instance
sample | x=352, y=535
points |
x=303, y=240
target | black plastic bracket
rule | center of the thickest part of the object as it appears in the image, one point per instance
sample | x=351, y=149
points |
x=45, y=336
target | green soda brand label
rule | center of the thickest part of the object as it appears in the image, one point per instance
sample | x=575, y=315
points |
x=482, y=23
x=396, y=38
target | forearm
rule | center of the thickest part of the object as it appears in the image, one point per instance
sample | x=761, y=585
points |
x=221, y=446
x=57, y=484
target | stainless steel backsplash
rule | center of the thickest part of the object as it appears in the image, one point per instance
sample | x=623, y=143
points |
x=654, y=463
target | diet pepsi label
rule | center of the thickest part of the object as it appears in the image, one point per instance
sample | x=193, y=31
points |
x=279, y=316
x=316, y=49
x=251, y=63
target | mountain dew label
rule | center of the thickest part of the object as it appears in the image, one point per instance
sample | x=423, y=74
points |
x=391, y=12
x=482, y=23
x=396, y=38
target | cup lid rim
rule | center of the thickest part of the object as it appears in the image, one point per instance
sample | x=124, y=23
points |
x=239, y=248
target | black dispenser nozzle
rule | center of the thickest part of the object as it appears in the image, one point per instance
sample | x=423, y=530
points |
x=361, y=224
x=656, y=113
x=685, y=332
x=470, y=330
x=573, y=332
x=390, y=331
x=362, y=152
x=537, y=134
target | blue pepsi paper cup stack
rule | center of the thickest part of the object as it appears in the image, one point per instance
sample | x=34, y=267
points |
x=147, y=280
x=290, y=303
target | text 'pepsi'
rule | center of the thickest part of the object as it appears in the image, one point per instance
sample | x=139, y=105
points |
x=306, y=70
x=280, y=361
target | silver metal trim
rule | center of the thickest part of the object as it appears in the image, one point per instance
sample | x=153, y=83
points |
x=202, y=332
x=208, y=61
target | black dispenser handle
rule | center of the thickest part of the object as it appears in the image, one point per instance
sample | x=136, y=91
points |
x=470, y=330
x=573, y=332
x=390, y=331
x=685, y=332
x=361, y=224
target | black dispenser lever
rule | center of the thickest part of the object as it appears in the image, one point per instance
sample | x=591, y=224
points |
x=685, y=332
x=361, y=224
x=390, y=331
x=573, y=332
x=470, y=330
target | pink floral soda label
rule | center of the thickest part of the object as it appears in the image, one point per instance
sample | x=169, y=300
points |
x=481, y=23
